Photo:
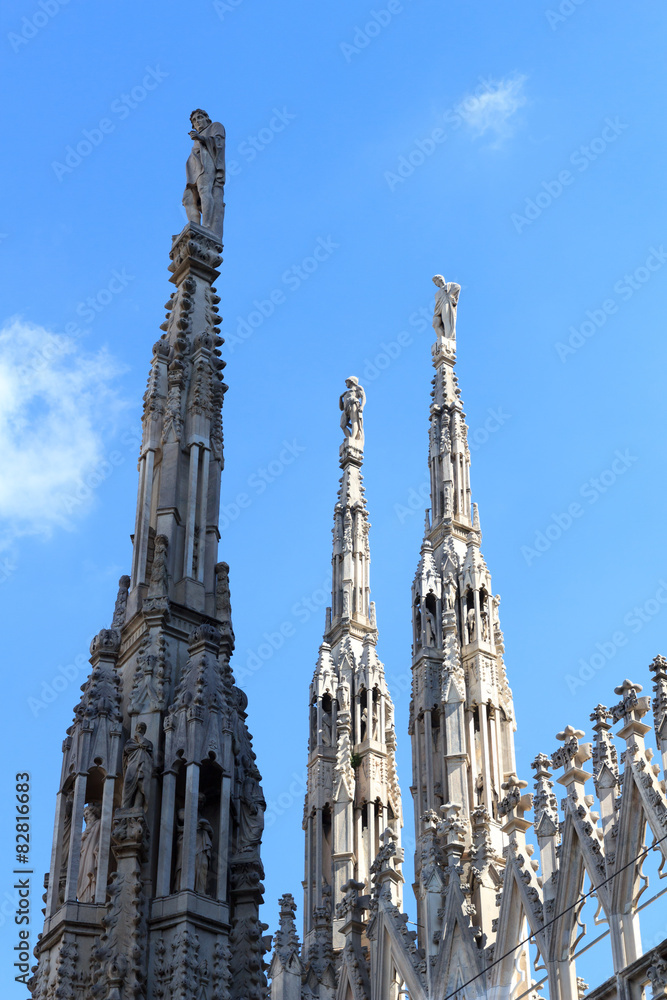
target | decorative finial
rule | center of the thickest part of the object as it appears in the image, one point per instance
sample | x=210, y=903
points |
x=446, y=302
x=204, y=193
x=352, y=404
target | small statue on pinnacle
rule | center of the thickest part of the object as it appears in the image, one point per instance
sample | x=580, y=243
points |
x=352, y=405
x=446, y=301
x=204, y=193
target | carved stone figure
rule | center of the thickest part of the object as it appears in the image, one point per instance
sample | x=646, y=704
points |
x=251, y=819
x=223, y=604
x=450, y=593
x=203, y=849
x=485, y=625
x=90, y=846
x=180, y=826
x=159, y=581
x=137, y=768
x=446, y=302
x=430, y=628
x=343, y=696
x=121, y=602
x=471, y=624
x=326, y=728
x=204, y=193
x=352, y=404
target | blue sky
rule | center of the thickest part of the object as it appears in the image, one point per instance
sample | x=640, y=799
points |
x=519, y=151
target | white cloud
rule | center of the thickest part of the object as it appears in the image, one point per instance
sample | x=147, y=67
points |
x=492, y=108
x=55, y=402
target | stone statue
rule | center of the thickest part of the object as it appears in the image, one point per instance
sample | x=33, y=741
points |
x=470, y=622
x=137, y=768
x=446, y=301
x=352, y=404
x=159, y=581
x=430, y=628
x=121, y=602
x=450, y=593
x=223, y=604
x=343, y=696
x=203, y=849
x=252, y=805
x=90, y=847
x=485, y=625
x=326, y=728
x=180, y=826
x=203, y=197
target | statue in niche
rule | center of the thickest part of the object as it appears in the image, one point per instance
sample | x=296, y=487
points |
x=159, y=581
x=364, y=723
x=137, y=769
x=418, y=622
x=430, y=628
x=204, y=193
x=352, y=404
x=203, y=850
x=67, y=833
x=90, y=848
x=343, y=696
x=485, y=625
x=479, y=789
x=450, y=593
x=252, y=805
x=376, y=719
x=446, y=302
x=223, y=604
x=180, y=826
x=326, y=728
x=471, y=624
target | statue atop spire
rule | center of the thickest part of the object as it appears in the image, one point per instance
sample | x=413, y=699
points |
x=352, y=420
x=204, y=193
x=446, y=302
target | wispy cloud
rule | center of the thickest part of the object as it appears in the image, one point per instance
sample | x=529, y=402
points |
x=492, y=112
x=56, y=402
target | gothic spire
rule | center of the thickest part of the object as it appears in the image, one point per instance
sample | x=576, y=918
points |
x=353, y=793
x=462, y=717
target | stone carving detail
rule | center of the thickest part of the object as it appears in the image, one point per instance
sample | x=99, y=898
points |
x=251, y=805
x=205, y=174
x=446, y=302
x=159, y=581
x=203, y=851
x=121, y=602
x=352, y=405
x=137, y=769
x=90, y=846
x=223, y=604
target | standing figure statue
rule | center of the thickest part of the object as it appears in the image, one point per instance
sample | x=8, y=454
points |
x=204, y=193
x=352, y=404
x=252, y=805
x=446, y=301
x=137, y=769
x=90, y=848
x=203, y=849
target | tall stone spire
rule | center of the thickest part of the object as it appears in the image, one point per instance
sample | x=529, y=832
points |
x=155, y=878
x=461, y=714
x=353, y=794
